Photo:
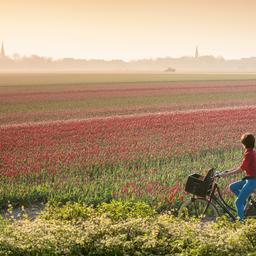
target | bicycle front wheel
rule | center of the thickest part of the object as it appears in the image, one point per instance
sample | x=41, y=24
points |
x=198, y=208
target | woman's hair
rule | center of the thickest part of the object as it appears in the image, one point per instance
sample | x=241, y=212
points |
x=248, y=140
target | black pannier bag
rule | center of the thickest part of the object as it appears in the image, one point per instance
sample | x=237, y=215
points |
x=200, y=185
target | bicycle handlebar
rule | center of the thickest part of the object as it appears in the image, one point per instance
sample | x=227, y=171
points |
x=218, y=174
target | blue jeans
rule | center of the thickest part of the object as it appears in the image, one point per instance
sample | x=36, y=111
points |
x=242, y=189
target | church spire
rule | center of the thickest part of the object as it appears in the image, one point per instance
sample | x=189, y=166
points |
x=196, y=53
x=2, y=50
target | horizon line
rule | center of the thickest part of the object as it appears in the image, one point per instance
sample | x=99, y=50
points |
x=122, y=59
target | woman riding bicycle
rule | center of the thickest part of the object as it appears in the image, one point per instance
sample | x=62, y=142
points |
x=243, y=188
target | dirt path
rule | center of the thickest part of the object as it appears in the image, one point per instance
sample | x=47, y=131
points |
x=30, y=212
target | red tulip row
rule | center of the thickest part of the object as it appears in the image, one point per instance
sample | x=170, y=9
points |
x=49, y=146
x=32, y=94
x=44, y=103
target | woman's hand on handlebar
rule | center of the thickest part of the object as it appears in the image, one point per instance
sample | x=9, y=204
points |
x=228, y=172
x=222, y=174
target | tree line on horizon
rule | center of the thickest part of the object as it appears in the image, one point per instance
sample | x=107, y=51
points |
x=168, y=64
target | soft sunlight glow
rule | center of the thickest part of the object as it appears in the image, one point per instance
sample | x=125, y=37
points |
x=128, y=29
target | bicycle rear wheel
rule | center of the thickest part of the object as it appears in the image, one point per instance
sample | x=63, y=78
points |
x=198, y=208
x=250, y=209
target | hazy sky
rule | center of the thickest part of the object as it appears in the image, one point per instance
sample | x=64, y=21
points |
x=128, y=29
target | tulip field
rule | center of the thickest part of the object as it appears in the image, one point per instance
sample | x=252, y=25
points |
x=92, y=141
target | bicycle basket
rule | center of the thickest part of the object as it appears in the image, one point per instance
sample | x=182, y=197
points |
x=200, y=185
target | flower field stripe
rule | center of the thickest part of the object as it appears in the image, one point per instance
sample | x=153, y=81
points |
x=127, y=91
x=124, y=139
x=124, y=116
x=51, y=102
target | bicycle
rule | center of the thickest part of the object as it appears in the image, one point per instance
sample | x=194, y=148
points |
x=207, y=201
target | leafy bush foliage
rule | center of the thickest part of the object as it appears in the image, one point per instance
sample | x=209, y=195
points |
x=70, y=211
x=120, y=228
x=115, y=210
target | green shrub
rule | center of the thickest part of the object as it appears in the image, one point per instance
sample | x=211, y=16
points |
x=121, y=210
x=100, y=235
x=115, y=210
x=70, y=211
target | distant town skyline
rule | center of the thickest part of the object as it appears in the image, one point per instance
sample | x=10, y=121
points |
x=4, y=55
x=128, y=29
x=196, y=63
x=16, y=54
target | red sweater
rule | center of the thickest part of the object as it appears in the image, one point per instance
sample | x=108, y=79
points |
x=249, y=162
